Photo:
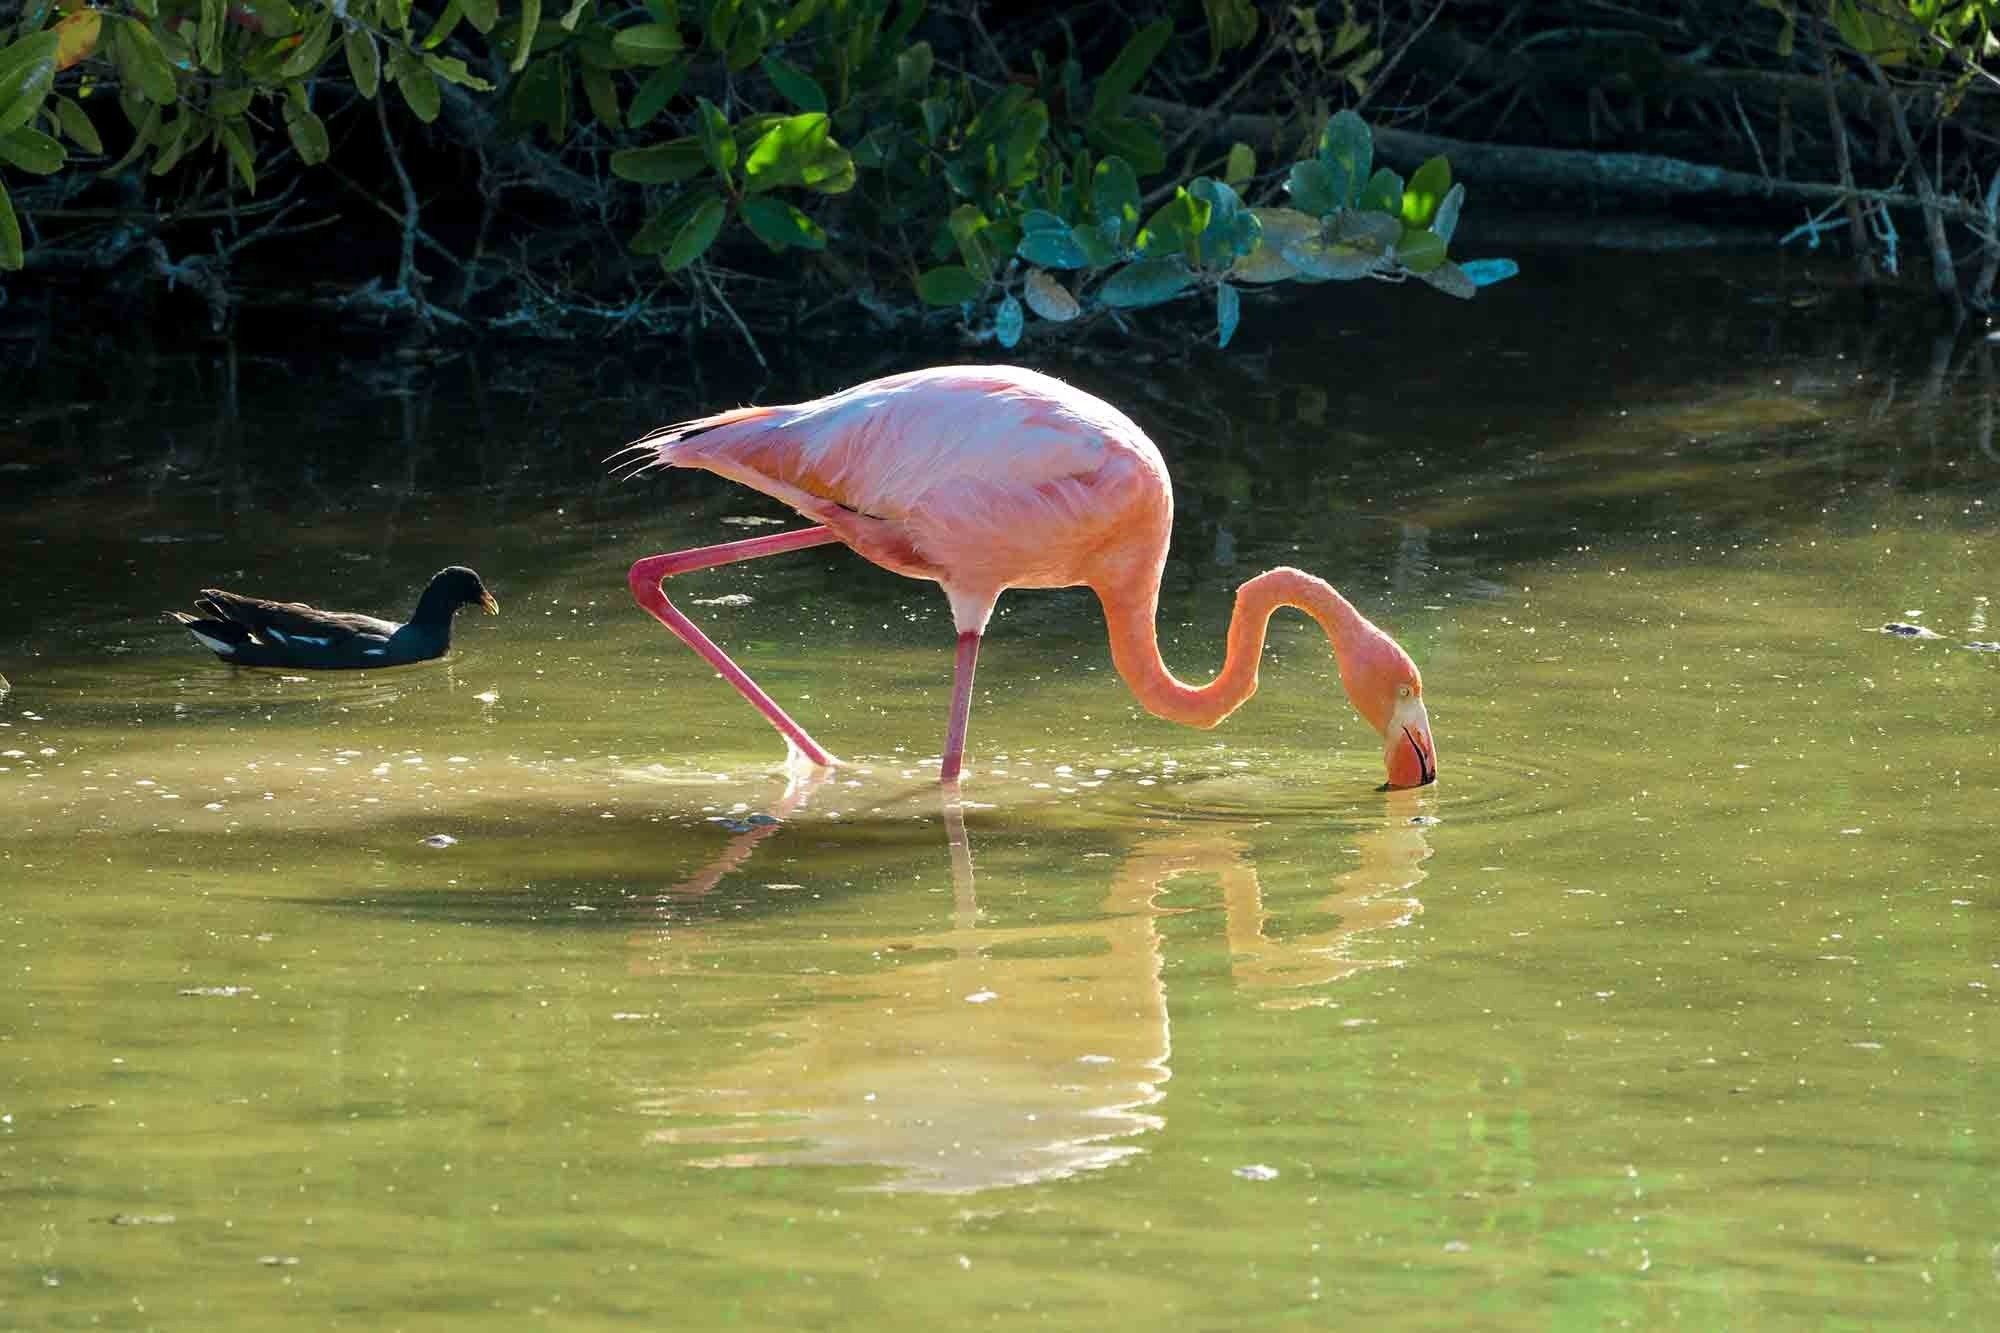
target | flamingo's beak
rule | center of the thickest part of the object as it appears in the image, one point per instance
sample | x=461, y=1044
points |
x=1408, y=749
x=490, y=602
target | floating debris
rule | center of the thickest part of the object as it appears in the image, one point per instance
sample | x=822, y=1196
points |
x=440, y=840
x=1424, y=819
x=982, y=997
x=752, y=521
x=221, y=992
x=1256, y=1171
x=727, y=599
x=141, y=1219
x=763, y=819
x=1904, y=630
x=277, y=1260
x=1977, y=647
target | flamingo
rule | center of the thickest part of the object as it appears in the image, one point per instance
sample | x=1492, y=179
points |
x=985, y=478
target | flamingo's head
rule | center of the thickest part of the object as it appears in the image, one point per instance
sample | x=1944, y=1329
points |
x=1388, y=691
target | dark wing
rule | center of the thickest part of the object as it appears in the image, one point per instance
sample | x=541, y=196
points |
x=292, y=620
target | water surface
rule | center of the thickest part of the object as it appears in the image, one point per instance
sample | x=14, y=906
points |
x=1669, y=1004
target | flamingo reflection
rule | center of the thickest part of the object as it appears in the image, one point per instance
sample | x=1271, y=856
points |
x=987, y=1056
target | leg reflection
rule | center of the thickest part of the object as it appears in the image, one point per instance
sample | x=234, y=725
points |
x=972, y=1055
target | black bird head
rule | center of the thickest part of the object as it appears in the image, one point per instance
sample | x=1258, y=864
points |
x=451, y=588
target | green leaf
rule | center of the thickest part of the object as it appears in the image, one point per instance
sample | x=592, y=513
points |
x=173, y=142
x=1452, y=280
x=753, y=31
x=1114, y=193
x=648, y=44
x=452, y=70
x=208, y=35
x=11, y=256
x=141, y=61
x=795, y=18
x=1139, y=144
x=1231, y=23
x=1122, y=78
x=31, y=150
x=1146, y=282
x=717, y=144
x=143, y=135
x=697, y=233
x=913, y=68
x=1446, y=221
x=797, y=151
x=1384, y=194
x=275, y=20
x=1347, y=150
x=1008, y=322
x=1100, y=250
x=76, y=124
x=1228, y=310
x=541, y=97
x=780, y=225
x=660, y=164
x=654, y=94
x=569, y=19
x=949, y=284
x=1419, y=251
x=1175, y=227
x=531, y=20
x=305, y=57
x=308, y=135
x=1486, y=272
x=602, y=95
x=236, y=142
x=965, y=223
x=1315, y=188
x=1426, y=192
x=364, y=61
x=661, y=227
x=1053, y=248
x=1049, y=298
x=1242, y=164
x=1024, y=145
x=446, y=23
x=420, y=89
x=481, y=14
x=721, y=23
x=794, y=84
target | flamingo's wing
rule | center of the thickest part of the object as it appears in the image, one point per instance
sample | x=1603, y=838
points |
x=889, y=447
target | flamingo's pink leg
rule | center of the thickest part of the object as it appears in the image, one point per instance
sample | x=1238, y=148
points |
x=647, y=575
x=961, y=705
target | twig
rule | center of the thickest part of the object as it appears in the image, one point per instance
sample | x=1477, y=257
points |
x=1944, y=275
x=1271, y=48
x=1763, y=169
x=715, y=290
x=408, y=278
x=1382, y=75
x=1857, y=231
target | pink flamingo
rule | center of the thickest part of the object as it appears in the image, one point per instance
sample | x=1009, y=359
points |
x=984, y=478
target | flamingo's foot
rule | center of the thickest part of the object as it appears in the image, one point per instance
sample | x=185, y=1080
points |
x=801, y=762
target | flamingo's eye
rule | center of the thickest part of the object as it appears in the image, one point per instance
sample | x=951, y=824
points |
x=1402, y=691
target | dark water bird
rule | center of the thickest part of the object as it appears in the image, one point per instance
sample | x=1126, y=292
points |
x=249, y=631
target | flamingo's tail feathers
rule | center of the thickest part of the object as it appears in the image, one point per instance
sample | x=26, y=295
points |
x=656, y=450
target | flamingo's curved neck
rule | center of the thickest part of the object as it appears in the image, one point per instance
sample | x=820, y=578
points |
x=1135, y=647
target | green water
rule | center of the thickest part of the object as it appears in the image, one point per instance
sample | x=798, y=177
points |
x=1671, y=1004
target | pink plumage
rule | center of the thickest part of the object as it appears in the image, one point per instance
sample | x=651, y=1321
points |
x=984, y=478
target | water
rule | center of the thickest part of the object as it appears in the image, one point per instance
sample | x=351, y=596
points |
x=1669, y=1004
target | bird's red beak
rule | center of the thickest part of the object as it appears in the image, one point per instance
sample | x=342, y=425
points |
x=1408, y=749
